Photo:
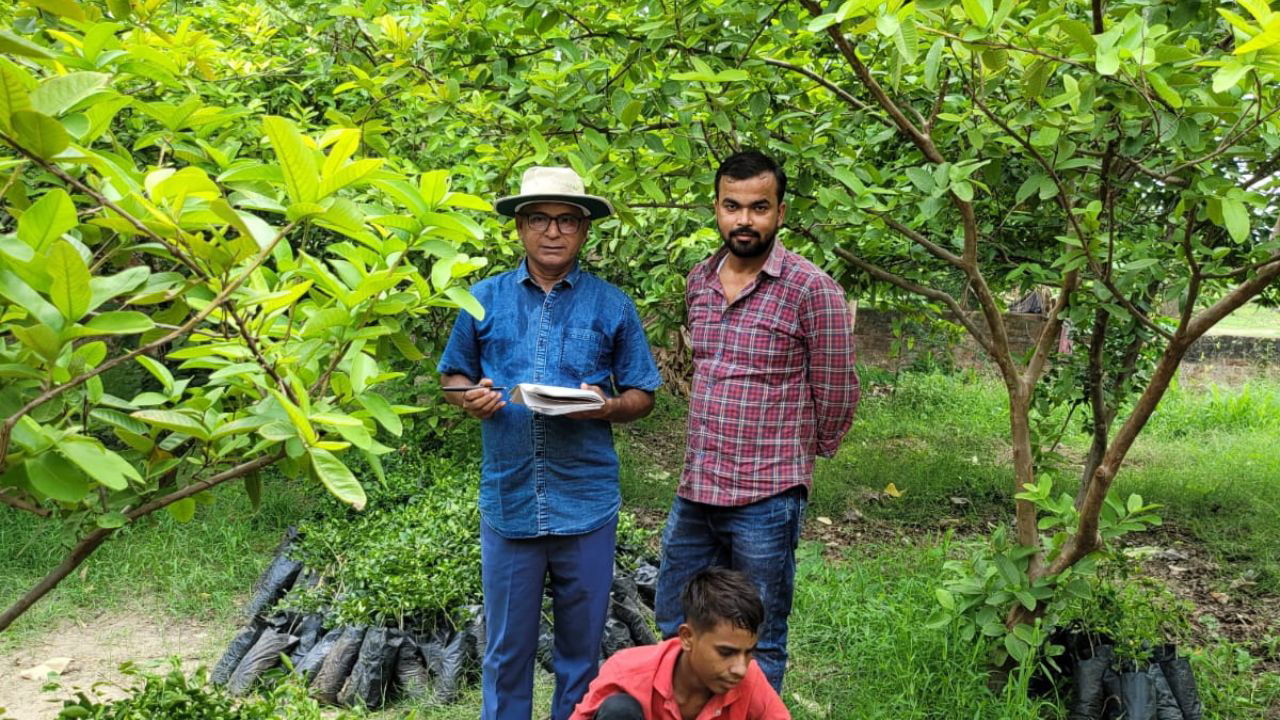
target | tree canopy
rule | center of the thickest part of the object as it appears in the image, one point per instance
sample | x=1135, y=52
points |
x=248, y=209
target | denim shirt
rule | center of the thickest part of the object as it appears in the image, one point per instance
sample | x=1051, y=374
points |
x=544, y=475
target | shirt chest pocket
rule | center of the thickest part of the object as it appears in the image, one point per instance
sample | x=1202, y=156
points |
x=582, y=352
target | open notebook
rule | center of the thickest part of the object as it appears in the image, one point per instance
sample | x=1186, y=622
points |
x=552, y=400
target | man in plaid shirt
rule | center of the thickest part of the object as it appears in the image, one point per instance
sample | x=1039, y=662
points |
x=774, y=385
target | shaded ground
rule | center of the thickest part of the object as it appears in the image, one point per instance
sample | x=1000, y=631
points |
x=97, y=646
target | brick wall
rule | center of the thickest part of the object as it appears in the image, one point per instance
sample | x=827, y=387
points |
x=874, y=332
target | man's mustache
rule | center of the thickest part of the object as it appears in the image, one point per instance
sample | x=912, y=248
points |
x=745, y=231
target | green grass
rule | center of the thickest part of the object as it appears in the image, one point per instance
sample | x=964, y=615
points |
x=858, y=651
x=203, y=569
x=1251, y=320
x=857, y=645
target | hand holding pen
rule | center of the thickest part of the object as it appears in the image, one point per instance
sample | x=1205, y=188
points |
x=479, y=401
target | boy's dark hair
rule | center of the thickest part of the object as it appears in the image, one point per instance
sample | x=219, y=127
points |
x=747, y=164
x=717, y=595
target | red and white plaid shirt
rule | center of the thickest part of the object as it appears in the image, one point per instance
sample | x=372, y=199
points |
x=774, y=382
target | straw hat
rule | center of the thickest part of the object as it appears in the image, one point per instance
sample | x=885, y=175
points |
x=553, y=184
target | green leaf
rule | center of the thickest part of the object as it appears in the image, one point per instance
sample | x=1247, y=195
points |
x=112, y=520
x=17, y=291
x=1017, y=648
x=465, y=300
x=454, y=225
x=13, y=96
x=382, y=412
x=907, y=39
x=1227, y=76
x=119, y=322
x=60, y=93
x=631, y=112
x=17, y=45
x=62, y=8
x=47, y=220
x=301, y=176
x=54, y=476
x=173, y=420
x=39, y=134
x=158, y=370
x=253, y=488
x=299, y=419
x=98, y=462
x=349, y=175
x=1108, y=60
x=432, y=187
x=1236, y=219
x=1163, y=89
x=182, y=510
x=931, y=63
x=69, y=289
x=1028, y=187
x=337, y=478
x=945, y=599
x=465, y=201
x=921, y=178
x=979, y=11
x=106, y=287
x=1263, y=40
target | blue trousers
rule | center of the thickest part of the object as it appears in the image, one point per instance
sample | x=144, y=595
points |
x=514, y=573
x=758, y=539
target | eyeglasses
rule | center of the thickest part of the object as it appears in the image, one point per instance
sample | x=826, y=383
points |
x=539, y=222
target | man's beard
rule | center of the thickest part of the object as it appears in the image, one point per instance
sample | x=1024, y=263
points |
x=749, y=247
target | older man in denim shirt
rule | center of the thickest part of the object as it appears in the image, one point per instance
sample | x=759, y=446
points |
x=549, y=494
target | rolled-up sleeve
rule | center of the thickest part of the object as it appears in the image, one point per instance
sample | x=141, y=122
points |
x=461, y=355
x=633, y=364
x=833, y=375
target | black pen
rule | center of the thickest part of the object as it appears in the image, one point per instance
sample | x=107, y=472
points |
x=464, y=388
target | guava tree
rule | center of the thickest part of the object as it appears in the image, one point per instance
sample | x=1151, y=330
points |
x=1123, y=154
x=192, y=293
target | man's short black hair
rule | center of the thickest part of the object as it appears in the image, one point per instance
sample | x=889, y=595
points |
x=717, y=595
x=747, y=164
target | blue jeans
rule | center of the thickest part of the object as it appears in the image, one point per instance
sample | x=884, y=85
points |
x=513, y=574
x=759, y=539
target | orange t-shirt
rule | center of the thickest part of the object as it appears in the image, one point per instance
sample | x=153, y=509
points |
x=645, y=673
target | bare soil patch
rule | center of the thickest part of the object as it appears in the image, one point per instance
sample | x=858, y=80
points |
x=97, y=646
x=1224, y=608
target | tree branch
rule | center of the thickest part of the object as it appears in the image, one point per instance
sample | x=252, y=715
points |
x=83, y=549
x=879, y=273
x=107, y=203
x=20, y=504
x=934, y=249
x=6, y=430
x=840, y=92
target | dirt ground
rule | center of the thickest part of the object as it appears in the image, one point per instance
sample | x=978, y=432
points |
x=97, y=646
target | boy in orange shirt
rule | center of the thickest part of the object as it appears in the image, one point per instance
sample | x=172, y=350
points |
x=706, y=671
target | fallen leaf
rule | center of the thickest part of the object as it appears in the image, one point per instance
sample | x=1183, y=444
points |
x=854, y=515
x=824, y=520
x=959, y=500
x=55, y=666
x=809, y=705
x=1222, y=598
x=892, y=490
